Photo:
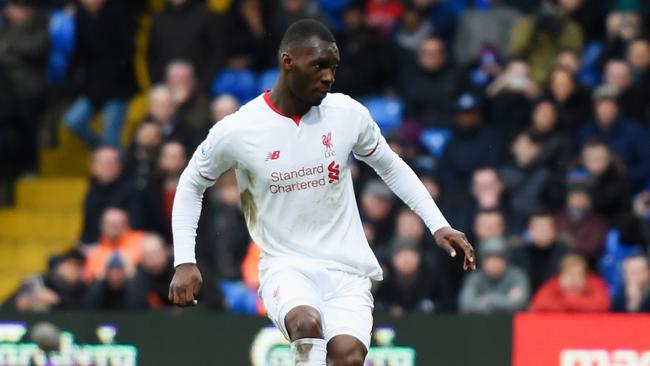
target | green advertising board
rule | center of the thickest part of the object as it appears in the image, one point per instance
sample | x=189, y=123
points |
x=215, y=339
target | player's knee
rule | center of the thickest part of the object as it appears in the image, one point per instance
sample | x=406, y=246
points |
x=348, y=352
x=304, y=322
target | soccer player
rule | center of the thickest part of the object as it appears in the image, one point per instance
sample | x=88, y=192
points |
x=290, y=148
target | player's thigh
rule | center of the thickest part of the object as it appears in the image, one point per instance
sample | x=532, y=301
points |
x=287, y=289
x=349, y=310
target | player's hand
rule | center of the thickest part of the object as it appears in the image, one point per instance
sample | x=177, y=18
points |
x=185, y=285
x=449, y=239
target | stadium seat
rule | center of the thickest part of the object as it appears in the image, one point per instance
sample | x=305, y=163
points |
x=332, y=11
x=590, y=75
x=435, y=140
x=240, y=83
x=267, y=79
x=611, y=262
x=387, y=112
x=62, y=41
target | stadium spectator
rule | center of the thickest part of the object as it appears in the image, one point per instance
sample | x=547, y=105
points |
x=427, y=85
x=409, y=284
x=641, y=209
x=623, y=26
x=610, y=189
x=497, y=286
x=574, y=289
x=578, y=225
x=141, y=159
x=222, y=106
x=525, y=179
x=634, y=296
x=487, y=193
x=589, y=15
x=510, y=96
x=109, y=187
x=150, y=286
x=377, y=204
x=61, y=288
x=368, y=67
x=638, y=56
x=104, y=49
x=490, y=24
x=23, y=56
x=222, y=238
x=192, y=107
x=117, y=238
x=555, y=147
x=632, y=98
x=541, y=253
x=473, y=145
x=539, y=38
x=247, y=44
x=383, y=14
x=412, y=30
x=488, y=224
x=108, y=291
x=158, y=197
x=571, y=100
x=286, y=13
x=164, y=112
x=185, y=30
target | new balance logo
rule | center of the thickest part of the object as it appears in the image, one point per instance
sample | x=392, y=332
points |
x=274, y=155
x=334, y=171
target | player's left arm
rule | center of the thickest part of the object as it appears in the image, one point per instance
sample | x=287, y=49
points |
x=373, y=149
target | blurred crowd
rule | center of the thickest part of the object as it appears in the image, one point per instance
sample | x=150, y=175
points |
x=527, y=120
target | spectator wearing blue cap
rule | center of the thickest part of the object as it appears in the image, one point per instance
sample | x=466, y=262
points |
x=473, y=145
x=109, y=290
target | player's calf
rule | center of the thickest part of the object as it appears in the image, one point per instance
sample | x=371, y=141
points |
x=345, y=350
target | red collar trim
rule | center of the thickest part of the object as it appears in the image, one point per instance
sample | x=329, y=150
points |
x=267, y=99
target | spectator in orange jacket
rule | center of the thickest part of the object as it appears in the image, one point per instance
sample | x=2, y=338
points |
x=574, y=289
x=116, y=237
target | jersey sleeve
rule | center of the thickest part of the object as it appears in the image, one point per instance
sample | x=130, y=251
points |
x=369, y=136
x=372, y=148
x=213, y=157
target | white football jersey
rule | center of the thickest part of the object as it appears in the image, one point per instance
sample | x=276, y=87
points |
x=294, y=179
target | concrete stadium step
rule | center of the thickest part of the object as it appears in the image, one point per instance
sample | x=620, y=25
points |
x=35, y=225
x=64, y=163
x=51, y=193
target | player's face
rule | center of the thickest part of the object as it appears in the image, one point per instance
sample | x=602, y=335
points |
x=311, y=70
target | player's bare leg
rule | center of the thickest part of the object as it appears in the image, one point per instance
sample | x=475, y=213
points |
x=306, y=332
x=345, y=350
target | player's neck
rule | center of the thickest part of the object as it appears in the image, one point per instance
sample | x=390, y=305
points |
x=284, y=101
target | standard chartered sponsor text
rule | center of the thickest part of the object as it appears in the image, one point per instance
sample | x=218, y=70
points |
x=294, y=180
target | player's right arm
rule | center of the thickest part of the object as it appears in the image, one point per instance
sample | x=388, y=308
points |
x=210, y=160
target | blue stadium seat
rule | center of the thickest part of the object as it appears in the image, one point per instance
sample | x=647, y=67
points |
x=435, y=140
x=387, y=112
x=240, y=83
x=590, y=75
x=611, y=262
x=238, y=298
x=62, y=43
x=332, y=11
x=267, y=80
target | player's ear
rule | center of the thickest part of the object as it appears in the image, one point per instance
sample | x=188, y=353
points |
x=286, y=61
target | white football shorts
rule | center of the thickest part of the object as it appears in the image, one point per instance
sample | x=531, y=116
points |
x=342, y=298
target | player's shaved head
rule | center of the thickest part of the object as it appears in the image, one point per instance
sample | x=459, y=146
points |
x=302, y=31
